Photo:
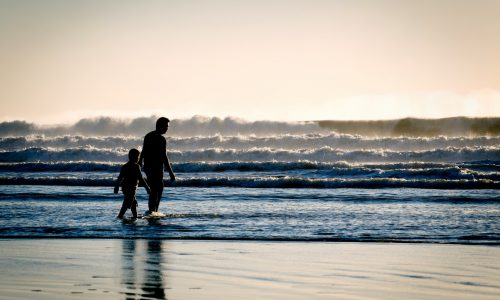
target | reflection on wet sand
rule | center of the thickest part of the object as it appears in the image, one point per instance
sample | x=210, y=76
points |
x=128, y=268
x=142, y=276
x=61, y=269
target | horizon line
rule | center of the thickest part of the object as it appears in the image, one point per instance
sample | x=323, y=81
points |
x=240, y=119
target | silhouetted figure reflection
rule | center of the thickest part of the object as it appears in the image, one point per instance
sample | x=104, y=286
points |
x=155, y=159
x=153, y=278
x=128, y=268
x=151, y=265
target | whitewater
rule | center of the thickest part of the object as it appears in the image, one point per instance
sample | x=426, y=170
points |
x=266, y=180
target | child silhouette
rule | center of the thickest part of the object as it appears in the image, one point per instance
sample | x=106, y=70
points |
x=130, y=176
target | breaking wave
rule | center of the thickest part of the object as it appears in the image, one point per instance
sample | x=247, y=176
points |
x=304, y=141
x=323, y=154
x=470, y=171
x=198, y=125
x=273, y=182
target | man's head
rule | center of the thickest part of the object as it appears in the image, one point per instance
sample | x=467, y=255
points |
x=162, y=125
x=133, y=155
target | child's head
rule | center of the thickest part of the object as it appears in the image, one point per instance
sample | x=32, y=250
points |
x=133, y=155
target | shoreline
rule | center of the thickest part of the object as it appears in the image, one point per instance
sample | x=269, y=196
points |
x=256, y=240
x=195, y=269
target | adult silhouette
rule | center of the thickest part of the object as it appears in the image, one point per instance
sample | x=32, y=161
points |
x=155, y=160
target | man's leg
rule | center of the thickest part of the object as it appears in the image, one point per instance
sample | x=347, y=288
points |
x=155, y=182
x=160, y=193
x=152, y=197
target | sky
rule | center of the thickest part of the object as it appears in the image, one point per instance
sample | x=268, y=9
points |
x=256, y=60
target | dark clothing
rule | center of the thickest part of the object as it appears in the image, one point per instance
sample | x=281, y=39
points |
x=155, y=180
x=154, y=152
x=129, y=201
x=154, y=155
x=130, y=176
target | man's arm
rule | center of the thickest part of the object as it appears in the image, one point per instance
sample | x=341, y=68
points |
x=168, y=167
x=141, y=156
x=142, y=181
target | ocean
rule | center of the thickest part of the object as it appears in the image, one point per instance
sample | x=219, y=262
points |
x=424, y=182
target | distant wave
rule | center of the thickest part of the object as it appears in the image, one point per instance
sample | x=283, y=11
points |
x=203, y=126
x=339, y=141
x=273, y=182
x=323, y=154
x=303, y=141
x=457, y=126
x=478, y=170
x=195, y=126
x=74, y=154
x=68, y=141
x=81, y=166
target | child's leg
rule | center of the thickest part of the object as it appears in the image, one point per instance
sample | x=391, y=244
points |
x=127, y=201
x=133, y=207
x=122, y=210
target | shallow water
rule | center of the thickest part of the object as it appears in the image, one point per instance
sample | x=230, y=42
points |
x=300, y=183
x=398, y=215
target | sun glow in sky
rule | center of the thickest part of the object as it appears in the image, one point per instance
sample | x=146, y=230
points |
x=281, y=60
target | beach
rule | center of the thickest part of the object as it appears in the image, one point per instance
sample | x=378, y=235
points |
x=173, y=269
x=250, y=150
x=296, y=213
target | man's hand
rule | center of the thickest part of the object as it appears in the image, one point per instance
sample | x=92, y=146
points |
x=172, y=177
x=117, y=188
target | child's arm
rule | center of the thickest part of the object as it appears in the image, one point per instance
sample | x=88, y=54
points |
x=118, y=181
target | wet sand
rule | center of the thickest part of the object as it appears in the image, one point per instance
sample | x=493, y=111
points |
x=151, y=269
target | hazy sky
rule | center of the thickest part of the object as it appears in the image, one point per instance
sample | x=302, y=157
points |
x=281, y=60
